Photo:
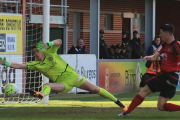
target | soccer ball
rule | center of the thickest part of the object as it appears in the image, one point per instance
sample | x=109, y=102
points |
x=11, y=90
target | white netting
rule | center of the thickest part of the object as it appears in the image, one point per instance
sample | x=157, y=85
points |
x=21, y=48
x=18, y=32
x=33, y=35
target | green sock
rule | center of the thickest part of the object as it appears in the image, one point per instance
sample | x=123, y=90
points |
x=46, y=90
x=104, y=93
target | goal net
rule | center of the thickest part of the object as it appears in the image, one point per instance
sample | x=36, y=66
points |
x=18, y=32
x=21, y=26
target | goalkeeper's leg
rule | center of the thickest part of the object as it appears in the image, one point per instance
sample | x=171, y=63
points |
x=47, y=88
x=87, y=85
x=36, y=94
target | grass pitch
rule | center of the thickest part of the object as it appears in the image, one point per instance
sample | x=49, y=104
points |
x=87, y=107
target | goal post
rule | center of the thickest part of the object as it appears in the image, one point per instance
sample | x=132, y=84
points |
x=46, y=16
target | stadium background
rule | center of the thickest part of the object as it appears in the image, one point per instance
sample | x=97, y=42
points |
x=80, y=10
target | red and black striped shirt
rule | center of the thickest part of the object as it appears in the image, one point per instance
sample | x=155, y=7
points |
x=171, y=59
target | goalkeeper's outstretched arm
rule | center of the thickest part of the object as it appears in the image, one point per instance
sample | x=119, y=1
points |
x=13, y=64
x=18, y=66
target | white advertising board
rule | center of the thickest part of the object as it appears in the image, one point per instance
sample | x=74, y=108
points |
x=11, y=43
x=52, y=19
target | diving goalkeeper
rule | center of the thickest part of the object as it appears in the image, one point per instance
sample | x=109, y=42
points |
x=49, y=63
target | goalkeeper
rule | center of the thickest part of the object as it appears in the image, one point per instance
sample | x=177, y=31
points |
x=49, y=63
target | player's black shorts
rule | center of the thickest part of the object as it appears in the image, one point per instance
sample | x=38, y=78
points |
x=165, y=83
x=144, y=78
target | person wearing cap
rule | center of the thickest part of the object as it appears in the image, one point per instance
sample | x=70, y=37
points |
x=137, y=52
x=127, y=43
x=123, y=52
x=112, y=52
x=118, y=51
x=104, y=53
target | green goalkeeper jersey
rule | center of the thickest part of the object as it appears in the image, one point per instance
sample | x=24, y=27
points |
x=53, y=66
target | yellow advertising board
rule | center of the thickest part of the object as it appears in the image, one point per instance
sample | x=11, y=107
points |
x=121, y=77
x=10, y=34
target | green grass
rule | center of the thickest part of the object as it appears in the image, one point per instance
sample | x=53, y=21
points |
x=87, y=107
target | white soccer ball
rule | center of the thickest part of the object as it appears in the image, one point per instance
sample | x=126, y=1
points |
x=11, y=90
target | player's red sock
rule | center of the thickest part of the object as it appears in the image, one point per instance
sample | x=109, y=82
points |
x=171, y=107
x=138, y=99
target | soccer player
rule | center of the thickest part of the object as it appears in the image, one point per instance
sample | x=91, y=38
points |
x=49, y=63
x=166, y=81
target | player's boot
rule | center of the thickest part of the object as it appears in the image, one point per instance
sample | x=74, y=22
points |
x=123, y=114
x=121, y=105
x=36, y=94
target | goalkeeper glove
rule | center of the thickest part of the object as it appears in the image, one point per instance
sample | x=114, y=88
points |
x=4, y=62
x=44, y=46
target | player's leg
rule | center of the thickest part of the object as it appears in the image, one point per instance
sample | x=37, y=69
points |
x=47, y=88
x=164, y=106
x=170, y=83
x=161, y=102
x=87, y=85
x=164, y=97
x=138, y=99
x=152, y=85
x=55, y=87
x=171, y=107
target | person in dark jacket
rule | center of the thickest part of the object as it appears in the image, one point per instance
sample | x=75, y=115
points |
x=155, y=44
x=123, y=53
x=137, y=52
x=127, y=43
x=79, y=48
x=112, y=52
x=118, y=51
x=103, y=52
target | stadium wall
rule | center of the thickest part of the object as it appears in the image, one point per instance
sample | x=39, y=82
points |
x=115, y=7
x=167, y=12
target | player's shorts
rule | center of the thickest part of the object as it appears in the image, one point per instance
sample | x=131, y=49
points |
x=144, y=78
x=72, y=80
x=165, y=83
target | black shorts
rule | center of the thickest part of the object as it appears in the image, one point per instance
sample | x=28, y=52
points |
x=165, y=83
x=144, y=78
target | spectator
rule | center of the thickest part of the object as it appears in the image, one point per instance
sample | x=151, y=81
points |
x=154, y=46
x=118, y=51
x=79, y=48
x=126, y=42
x=104, y=53
x=112, y=52
x=153, y=67
x=124, y=54
x=137, y=52
x=151, y=50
